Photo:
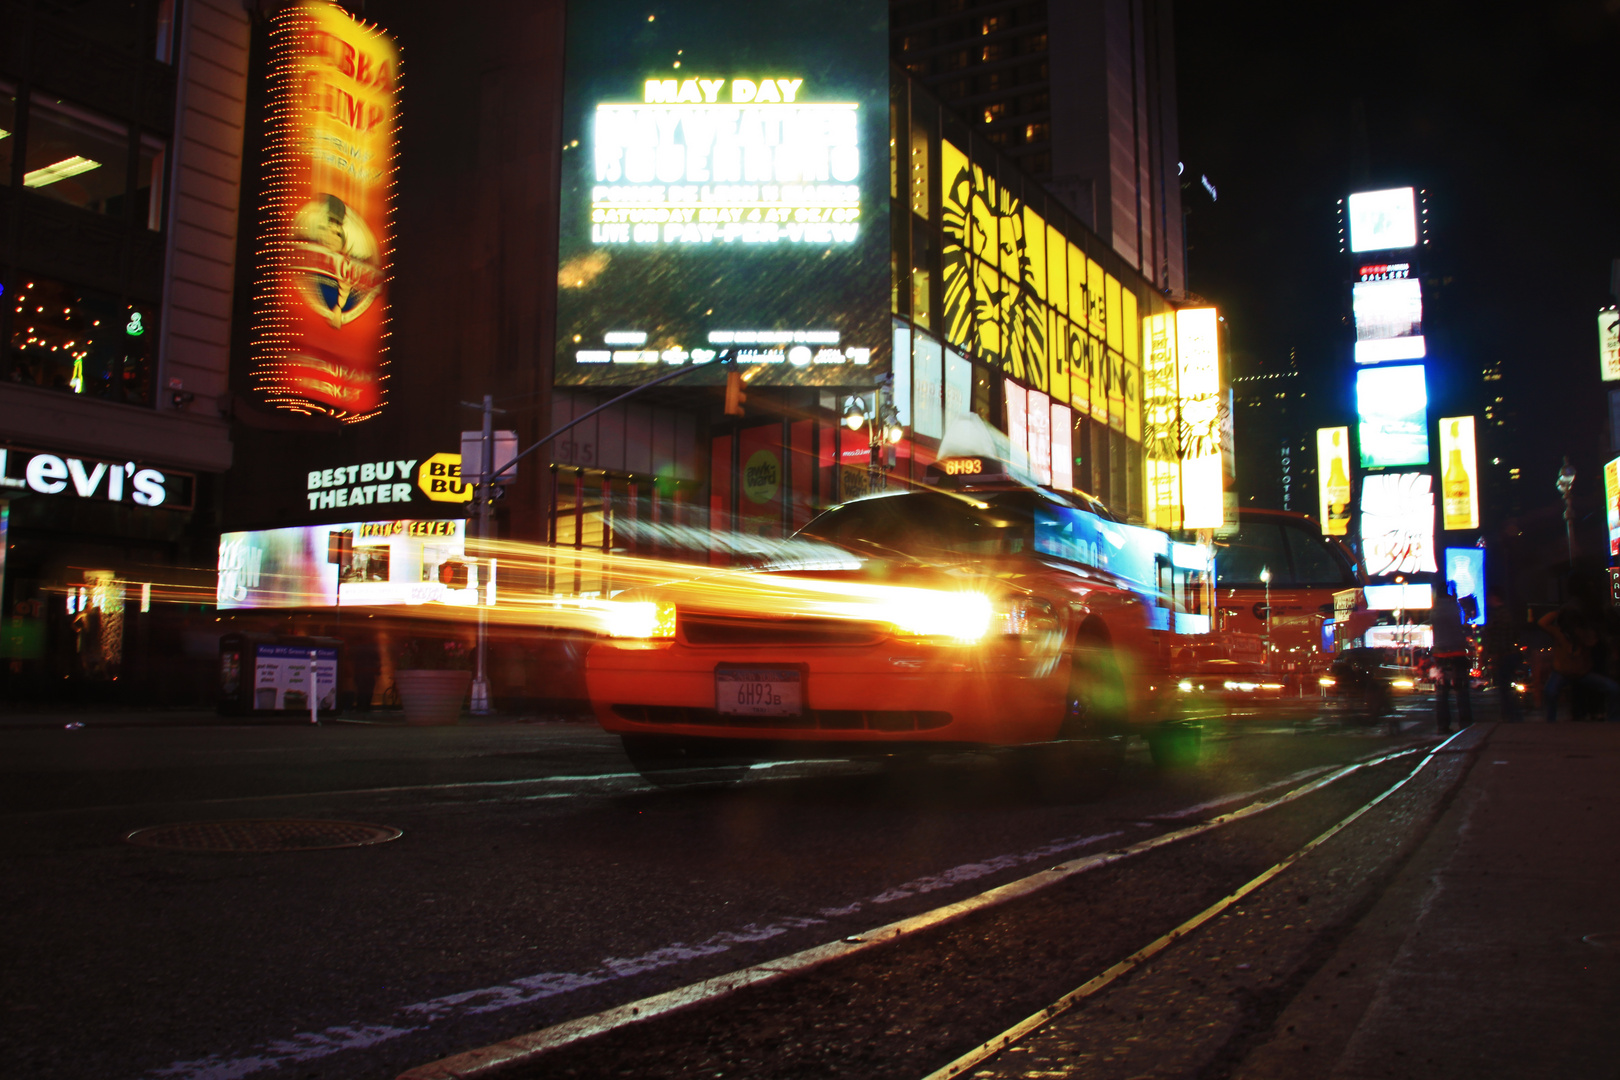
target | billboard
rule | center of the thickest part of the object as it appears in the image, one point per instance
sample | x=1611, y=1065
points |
x=1389, y=320
x=1611, y=501
x=1393, y=405
x=1406, y=597
x=1609, y=344
x=724, y=188
x=392, y=562
x=1383, y=220
x=1333, y=480
x=1198, y=378
x=1459, y=476
x=1397, y=524
x=1465, y=568
x=320, y=306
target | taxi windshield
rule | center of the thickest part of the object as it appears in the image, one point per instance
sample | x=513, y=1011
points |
x=922, y=525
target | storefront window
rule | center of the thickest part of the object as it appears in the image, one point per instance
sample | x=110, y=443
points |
x=149, y=182
x=8, y=130
x=82, y=342
x=76, y=157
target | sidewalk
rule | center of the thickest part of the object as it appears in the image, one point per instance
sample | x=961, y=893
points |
x=1496, y=950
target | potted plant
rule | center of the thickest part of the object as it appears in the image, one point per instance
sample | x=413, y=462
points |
x=433, y=677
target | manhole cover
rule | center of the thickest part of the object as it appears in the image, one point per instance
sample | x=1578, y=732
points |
x=262, y=835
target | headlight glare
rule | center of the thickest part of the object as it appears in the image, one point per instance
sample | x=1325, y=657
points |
x=961, y=616
x=640, y=619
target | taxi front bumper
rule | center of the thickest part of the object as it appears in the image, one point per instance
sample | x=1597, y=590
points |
x=899, y=693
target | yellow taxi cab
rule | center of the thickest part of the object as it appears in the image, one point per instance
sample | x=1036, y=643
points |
x=986, y=614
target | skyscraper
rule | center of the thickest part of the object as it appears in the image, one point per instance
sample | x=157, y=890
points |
x=1081, y=93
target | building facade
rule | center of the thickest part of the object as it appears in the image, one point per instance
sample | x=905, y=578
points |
x=120, y=159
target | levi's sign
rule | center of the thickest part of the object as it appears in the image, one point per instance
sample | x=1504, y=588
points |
x=93, y=478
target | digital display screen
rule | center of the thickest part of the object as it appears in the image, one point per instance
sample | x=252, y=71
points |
x=1393, y=404
x=1389, y=320
x=1459, y=474
x=1465, y=568
x=1611, y=503
x=724, y=192
x=390, y=562
x=1399, y=597
x=1383, y=220
x=1397, y=524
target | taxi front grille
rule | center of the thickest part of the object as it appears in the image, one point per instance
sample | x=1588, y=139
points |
x=810, y=719
x=725, y=630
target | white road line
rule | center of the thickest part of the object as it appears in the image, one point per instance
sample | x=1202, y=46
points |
x=308, y=1046
x=479, y=1062
x=1012, y=1035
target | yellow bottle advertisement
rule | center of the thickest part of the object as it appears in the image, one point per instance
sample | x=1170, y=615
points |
x=1459, y=477
x=1333, y=479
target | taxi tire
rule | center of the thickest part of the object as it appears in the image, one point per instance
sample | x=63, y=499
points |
x=1089, y=753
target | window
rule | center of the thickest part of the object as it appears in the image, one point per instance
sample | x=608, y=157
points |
x=164, y=18
x=1317, y=564
x=76, y=157
x=1256, y=546
x=8, y=131
x=82, y=342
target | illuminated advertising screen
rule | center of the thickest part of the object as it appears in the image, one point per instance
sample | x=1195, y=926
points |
x=1459, y=474
x=1198, y=394
x=1397, y=524
x=1389, y=320
x=391, y=562
x=1383, y=220
x=1465, y=568
x=1406, y=597
x=725, y=189
x=1393, y=404
x=1333, y=479
x=1609, y=344
x=1611, y=500
x=320, y=305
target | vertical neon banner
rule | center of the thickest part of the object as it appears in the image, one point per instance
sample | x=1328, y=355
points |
x=1333, y=480
x=320, y=304
x=1198, y=379
x=1459, y=476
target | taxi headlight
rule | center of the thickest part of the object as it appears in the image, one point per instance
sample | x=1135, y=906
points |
x=961, y=616
x=640, y=619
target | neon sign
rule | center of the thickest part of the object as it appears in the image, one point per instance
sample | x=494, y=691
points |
x=684, y=167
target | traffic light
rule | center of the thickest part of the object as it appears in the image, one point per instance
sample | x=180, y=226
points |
x=453, y=574
x=734, y=393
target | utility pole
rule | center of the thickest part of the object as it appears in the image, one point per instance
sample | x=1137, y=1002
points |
x=484, y=493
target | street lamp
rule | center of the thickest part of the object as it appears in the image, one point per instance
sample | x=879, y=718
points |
x=1265, y=577
x=1566, y=482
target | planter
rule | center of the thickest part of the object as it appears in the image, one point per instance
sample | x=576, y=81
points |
x=432, y=697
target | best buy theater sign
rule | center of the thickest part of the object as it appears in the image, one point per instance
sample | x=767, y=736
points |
x=393, y=481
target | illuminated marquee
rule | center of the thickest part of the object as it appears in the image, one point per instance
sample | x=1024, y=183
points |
x=726, y=161
x=320, y=303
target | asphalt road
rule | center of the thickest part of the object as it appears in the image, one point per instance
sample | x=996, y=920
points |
x=538, y=879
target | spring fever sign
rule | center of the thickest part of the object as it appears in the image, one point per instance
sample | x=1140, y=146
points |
x=321, y=303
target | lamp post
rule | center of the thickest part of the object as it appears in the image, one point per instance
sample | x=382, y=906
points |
x=1265, y=576
x=1566, y=482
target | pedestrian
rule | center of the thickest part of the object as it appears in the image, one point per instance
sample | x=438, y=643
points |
x=1574, y=645
x=1450, y=655
x=366, y=658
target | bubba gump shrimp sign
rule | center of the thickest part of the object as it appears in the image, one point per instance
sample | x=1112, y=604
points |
x=321, y=299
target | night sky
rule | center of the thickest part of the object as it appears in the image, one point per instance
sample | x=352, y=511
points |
x=1507, y=115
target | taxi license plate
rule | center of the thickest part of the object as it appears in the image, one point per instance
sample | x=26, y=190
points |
x=759, y=691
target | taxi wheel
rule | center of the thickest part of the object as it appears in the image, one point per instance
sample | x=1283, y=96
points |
x=1090, y=751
